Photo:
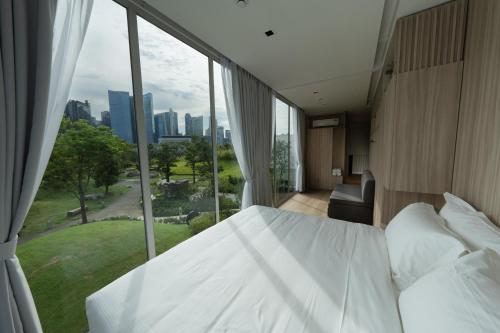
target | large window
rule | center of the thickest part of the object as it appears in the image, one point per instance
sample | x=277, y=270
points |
x=85, y=227
x=283, y=159
x=87, y=224
x=179, y=131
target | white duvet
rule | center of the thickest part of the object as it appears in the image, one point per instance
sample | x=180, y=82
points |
x=261, y=270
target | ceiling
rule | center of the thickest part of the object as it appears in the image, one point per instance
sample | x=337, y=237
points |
x=323, y=46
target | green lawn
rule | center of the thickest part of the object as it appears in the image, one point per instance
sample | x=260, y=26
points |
x=50, y=207
x=230, y=168
x=66, y=266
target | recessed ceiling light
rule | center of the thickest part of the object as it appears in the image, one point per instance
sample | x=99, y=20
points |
x=269, y=33
x=241, y=3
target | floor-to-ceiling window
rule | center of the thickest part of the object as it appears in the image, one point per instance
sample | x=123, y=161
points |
x=283, y=158
x=85, y=227
x=175, y=81
x=87, y=224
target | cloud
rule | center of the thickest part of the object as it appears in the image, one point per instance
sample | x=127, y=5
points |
x=176, y=74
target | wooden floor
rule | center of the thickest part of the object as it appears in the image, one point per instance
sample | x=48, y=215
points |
x=312, y=203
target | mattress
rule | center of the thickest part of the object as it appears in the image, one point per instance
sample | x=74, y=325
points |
x=261, y=270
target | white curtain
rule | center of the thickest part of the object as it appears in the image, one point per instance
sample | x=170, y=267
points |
x=298, y=123
x=249, y=110
x=273, y=176
x=39, y=46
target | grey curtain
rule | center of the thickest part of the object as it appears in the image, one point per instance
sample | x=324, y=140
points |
x=35, y=59
x=249, y=109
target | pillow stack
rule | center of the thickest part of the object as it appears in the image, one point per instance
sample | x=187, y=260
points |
x=462, y=297
x=418, y=242
x=443, y=287
x=474, y=227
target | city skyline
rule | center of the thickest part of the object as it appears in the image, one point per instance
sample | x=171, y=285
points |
x=121, y=119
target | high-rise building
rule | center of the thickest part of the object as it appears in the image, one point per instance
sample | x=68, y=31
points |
x=188, y=124
x=148, y=117
x=174, y=123
x=76, y=110
x=121, y=114
x=197, y=126
x=166, y=124
x=208, y=131
x=220, y=135
x=161, y=120
x=105, y=118
x=228, y=137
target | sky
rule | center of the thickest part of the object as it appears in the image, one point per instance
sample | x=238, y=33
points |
x=175, y=73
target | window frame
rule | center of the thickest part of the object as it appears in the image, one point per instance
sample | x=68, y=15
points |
x=165, y=24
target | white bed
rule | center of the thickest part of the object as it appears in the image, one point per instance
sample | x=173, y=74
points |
x=261, y=270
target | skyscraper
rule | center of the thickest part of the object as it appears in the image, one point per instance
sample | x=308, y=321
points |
x=161, y=124
x=120, y=109
x=148, y=117
x=228, y=137
x=197, y=126
x=76, y=110
x=208, y=131
x=166, y=124
x=188, y=122
x=220, y=135
x=105, y=118
x=174, y=123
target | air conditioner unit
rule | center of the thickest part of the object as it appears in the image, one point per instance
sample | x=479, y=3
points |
x=326, y=122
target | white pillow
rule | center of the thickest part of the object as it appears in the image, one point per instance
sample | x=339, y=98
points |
x=453, y=199
x=418, y=242
x=462, y=297
x=472, y=226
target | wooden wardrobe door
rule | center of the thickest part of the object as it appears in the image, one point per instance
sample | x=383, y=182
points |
x=319, y=158
x=425, y=125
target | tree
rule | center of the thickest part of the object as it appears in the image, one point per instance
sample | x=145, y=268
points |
x=107, y=172
x=113, y=157
x=166, y=155
x=205, y=163
x=281, y=160
x=192, y=156
x=79, y=153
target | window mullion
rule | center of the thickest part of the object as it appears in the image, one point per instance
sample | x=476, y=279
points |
x=213, y=128
x=142, y=142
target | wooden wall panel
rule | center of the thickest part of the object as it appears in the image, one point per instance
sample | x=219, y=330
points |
x=416, y=114
x=339, y=148
x=425, y=118
x=430, y=38
x=477, y=160
x=380, y=149
x=394, y=201
x=322, y=143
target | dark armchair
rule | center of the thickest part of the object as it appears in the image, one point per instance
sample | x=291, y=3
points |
x=354, y=203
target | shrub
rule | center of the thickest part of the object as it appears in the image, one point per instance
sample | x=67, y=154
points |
x=231, y=184
x=202, y=222
x=226, y=153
